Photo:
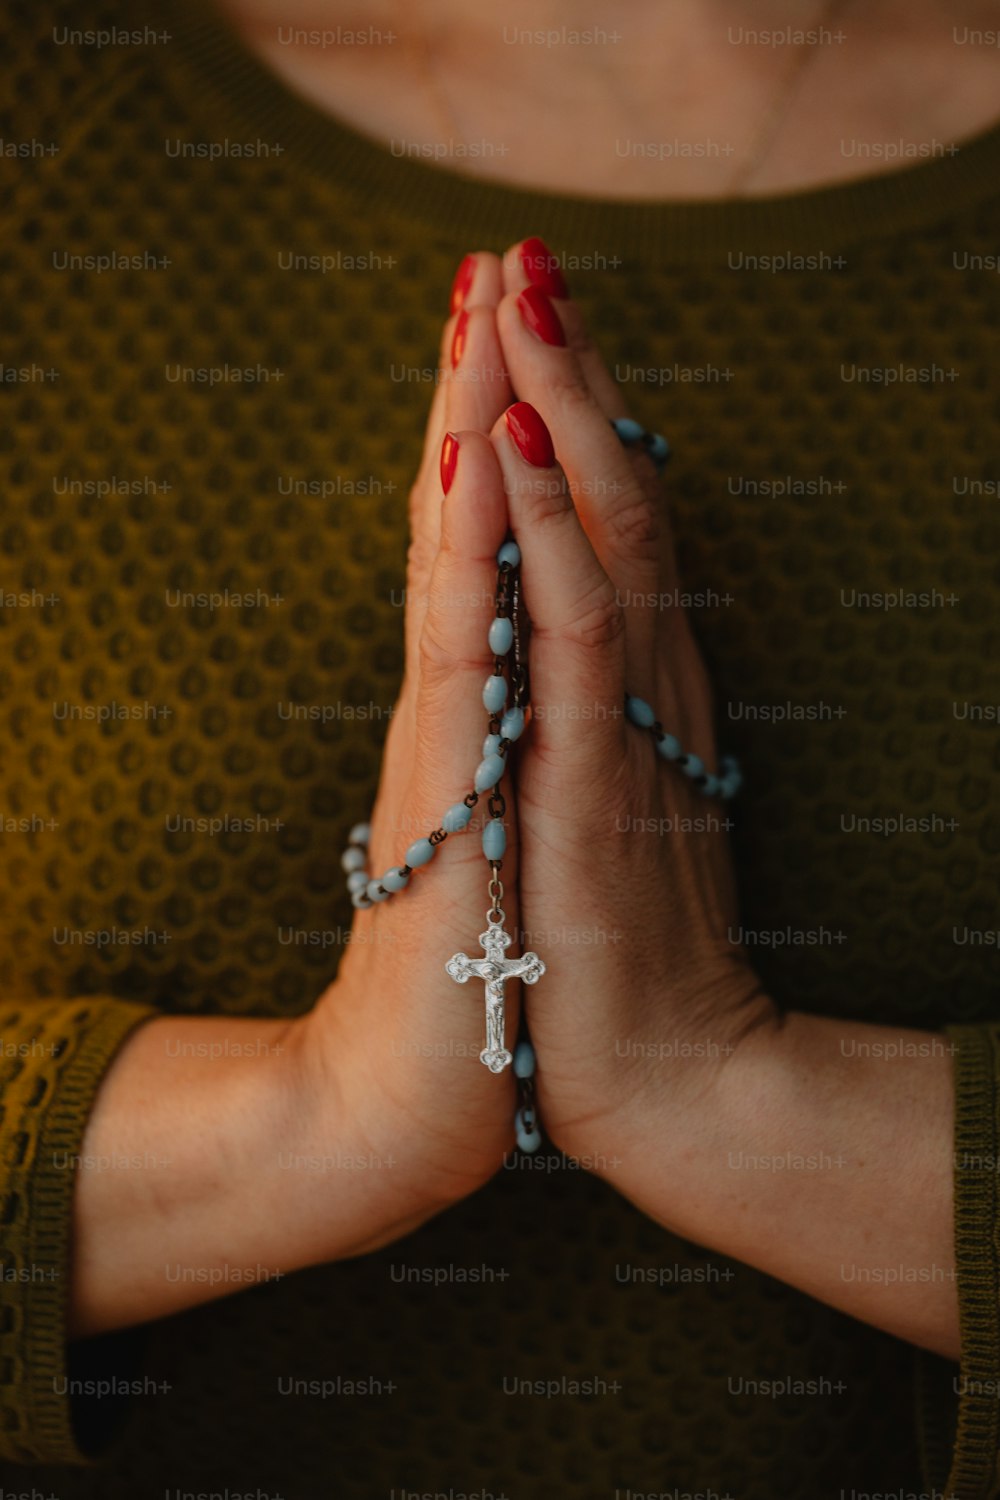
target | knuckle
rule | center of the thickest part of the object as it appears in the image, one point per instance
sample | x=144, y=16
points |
x=599, y=621
x=567, y=385
x=440, y=657
x=635, y=526
x=577, y=338
x=419, y=558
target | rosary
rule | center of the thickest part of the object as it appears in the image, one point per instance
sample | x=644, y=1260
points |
x=506, y=700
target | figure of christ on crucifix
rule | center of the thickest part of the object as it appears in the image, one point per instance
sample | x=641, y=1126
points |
x=495, y=970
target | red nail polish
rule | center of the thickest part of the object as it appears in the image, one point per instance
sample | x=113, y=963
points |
x=542, y=269
x=540, y=317
x=449, y=459
x=458, y=337
x=464, y=277
x=530, y=435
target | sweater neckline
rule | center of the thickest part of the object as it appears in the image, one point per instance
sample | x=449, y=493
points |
x=488, y=213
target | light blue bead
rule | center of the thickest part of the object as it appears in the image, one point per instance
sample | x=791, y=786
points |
x=394, y=879
x=357, y=880
x=509, y=553
x=732, y=780
x=488, y=773
x=420, y=852
x=524, y=1060
x=360, y=834
x=640, y=713
x=494, y=694
x=491, y=744
x=373, y=892
x=501, y=636
x=512, y=724
x=694, y=767
x=352, y=859
x=628, y=430
x=527, y=1139
x=494, y=839
x=456, y=818
x=712, y=786
x=670, y=747
x=659, y=449
x=360, y=900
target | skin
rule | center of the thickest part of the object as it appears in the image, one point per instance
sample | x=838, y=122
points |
x=776, y=117
x=661, y=1124
x=663, y=1128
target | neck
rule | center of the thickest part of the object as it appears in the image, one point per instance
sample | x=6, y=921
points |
x=576, y=102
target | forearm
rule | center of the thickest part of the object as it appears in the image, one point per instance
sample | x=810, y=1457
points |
x=213, y=1158
x=824, y=1157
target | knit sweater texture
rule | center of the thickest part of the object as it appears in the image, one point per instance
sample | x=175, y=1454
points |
x=236, y=403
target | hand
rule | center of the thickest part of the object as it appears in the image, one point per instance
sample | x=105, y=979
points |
x=658, y=1052
x=625, y=879
x=391, y=1049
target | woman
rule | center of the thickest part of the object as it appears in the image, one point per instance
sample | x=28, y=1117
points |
x=715, y=1272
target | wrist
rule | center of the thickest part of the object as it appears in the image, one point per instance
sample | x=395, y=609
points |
x=348, y=1186
x=687, y=1105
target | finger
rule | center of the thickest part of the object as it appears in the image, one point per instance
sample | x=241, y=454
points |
x=618, y=501
x=531, y=263
x=619, y=505
x=577, y=658
x=472, y=398
x=478, y=283
x=454, y=657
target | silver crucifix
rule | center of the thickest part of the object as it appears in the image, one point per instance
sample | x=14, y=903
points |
x=495, y=970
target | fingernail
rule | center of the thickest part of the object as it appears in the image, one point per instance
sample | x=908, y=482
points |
x=464, y=278
x=540, y=317
x=530, y=434
x=542, y=269
x=458, y=337
x=449, y=459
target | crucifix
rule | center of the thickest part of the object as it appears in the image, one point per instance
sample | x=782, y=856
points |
x=495, y=970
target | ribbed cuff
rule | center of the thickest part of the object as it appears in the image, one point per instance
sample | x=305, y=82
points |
x=51, y=1434
x=972, y=1432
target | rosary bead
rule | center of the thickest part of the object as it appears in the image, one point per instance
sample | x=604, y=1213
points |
x=456, y=818
x=374, y=892
x=491, y=744
x=512, y=724
x=421, y=852
x=509, y=553
x=356, y=881
x=659, y=449
x=628, y=430
x=360, y=900
x=527, y=1139
x=669, y=747
x=711, y=786
x=494, y=839
x=732, y=778
x=494, y=694
x=360, y=834
x=488, y=773
x=693, y=766
x=352, y=859
x=524, y=1060
x=639, y=712
x=501, y=636
x=394, y=879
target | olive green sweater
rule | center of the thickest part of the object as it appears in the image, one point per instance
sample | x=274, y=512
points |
x=220, y=314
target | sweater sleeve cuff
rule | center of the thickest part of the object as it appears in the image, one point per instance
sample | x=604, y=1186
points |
x=960, y=1409
x=50, y=1425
